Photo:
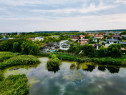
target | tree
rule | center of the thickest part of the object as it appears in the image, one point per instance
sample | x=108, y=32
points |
x=114, y=50
x=29, y=47
x=72, y=48
x=88, y=50
x=16, y=47
x=102, y=52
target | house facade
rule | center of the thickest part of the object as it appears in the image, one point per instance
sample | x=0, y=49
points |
x=99, y=36
x=111, y=41
x=39, y=38
x=82, y=40
x=64, y=45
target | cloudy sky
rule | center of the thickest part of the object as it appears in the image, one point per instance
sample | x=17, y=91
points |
x=35, y=15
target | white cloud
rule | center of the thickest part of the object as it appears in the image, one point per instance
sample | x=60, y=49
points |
x=121, y=1
x=116, y=21
x=84, y=9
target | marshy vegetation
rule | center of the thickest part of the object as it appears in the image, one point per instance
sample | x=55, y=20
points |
x=54, y=63
x=14, y=85
x=11, y=59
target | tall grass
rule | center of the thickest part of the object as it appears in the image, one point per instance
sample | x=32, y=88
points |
x=20, y=60
x=1, y=76
x=14, y=85
x=109, y=61
x=6, y=55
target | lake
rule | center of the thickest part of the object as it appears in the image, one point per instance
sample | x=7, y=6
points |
x=83, y=79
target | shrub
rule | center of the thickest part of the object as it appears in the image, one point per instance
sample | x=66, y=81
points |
x=16, y=47
x=20, y=60
x=102, y=52
x=53, y=63
x=114, y=50
x=110, y=61
x=88, y=50
x=1, y=76
x=14, y=85
x=6, y=55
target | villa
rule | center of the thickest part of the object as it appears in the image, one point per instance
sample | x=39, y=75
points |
x=64, y=45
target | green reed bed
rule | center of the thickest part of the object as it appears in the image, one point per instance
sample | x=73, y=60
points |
x=14, y=85
x=1, y=76
x=20, y=60
x=6, y=55
x=109, y=61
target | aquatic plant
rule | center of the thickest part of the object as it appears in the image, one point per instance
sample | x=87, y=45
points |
x=20, y=60
x=6, y=55
x=14, y=85
x=1, y=76
x=53, y=63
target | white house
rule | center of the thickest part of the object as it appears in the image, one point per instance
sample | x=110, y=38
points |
x=64, y=45
x=111, y=41
x=39, y=38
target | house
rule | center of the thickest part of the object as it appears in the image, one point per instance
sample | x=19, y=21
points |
x=52, y=45
x=95, y=39
x=92, y=35
x=97, y=46
x=99, y=36
x=39, y=38
x=82, y=40
x=116, y=36
x=64, y=45
x=75, y=38
x=111, y=41
x=32, y=39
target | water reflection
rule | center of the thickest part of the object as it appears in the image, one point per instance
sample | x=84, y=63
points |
x=74, y=79
x=90, y=67
x=53, y=68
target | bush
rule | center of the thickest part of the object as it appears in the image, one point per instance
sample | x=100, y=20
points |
x=114, y=50
x=6, y=55
x=16, y=47
x=20, y=60
x=88, y=50
x=109, y=61
x=102, y=52
x=53, y=63
x=14, y=85
x=1, y=76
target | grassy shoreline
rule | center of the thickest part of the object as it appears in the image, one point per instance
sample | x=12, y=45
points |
x=121, y=61
x=15, y=59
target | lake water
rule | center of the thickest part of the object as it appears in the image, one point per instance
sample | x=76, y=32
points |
x=85, y=79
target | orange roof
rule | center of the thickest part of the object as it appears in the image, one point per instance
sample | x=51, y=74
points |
x=82, y=36
x=98, y=35
x=123, y=49
x=32, y=38
x=75, y=37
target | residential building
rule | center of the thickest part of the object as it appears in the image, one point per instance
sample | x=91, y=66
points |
x=116, y=36
x=75, y=38
x=64, y=45
x=111, y=41
x=39, y=38
x=82, y=40
x=99, y=36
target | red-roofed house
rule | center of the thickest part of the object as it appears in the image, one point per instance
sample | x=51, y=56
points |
x=99, y=36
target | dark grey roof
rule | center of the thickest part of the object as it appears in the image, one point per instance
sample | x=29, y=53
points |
x=113, y=40
x=124, y=43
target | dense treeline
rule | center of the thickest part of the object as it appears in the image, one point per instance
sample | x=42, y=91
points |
x=23, y=46
x=113, y=50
